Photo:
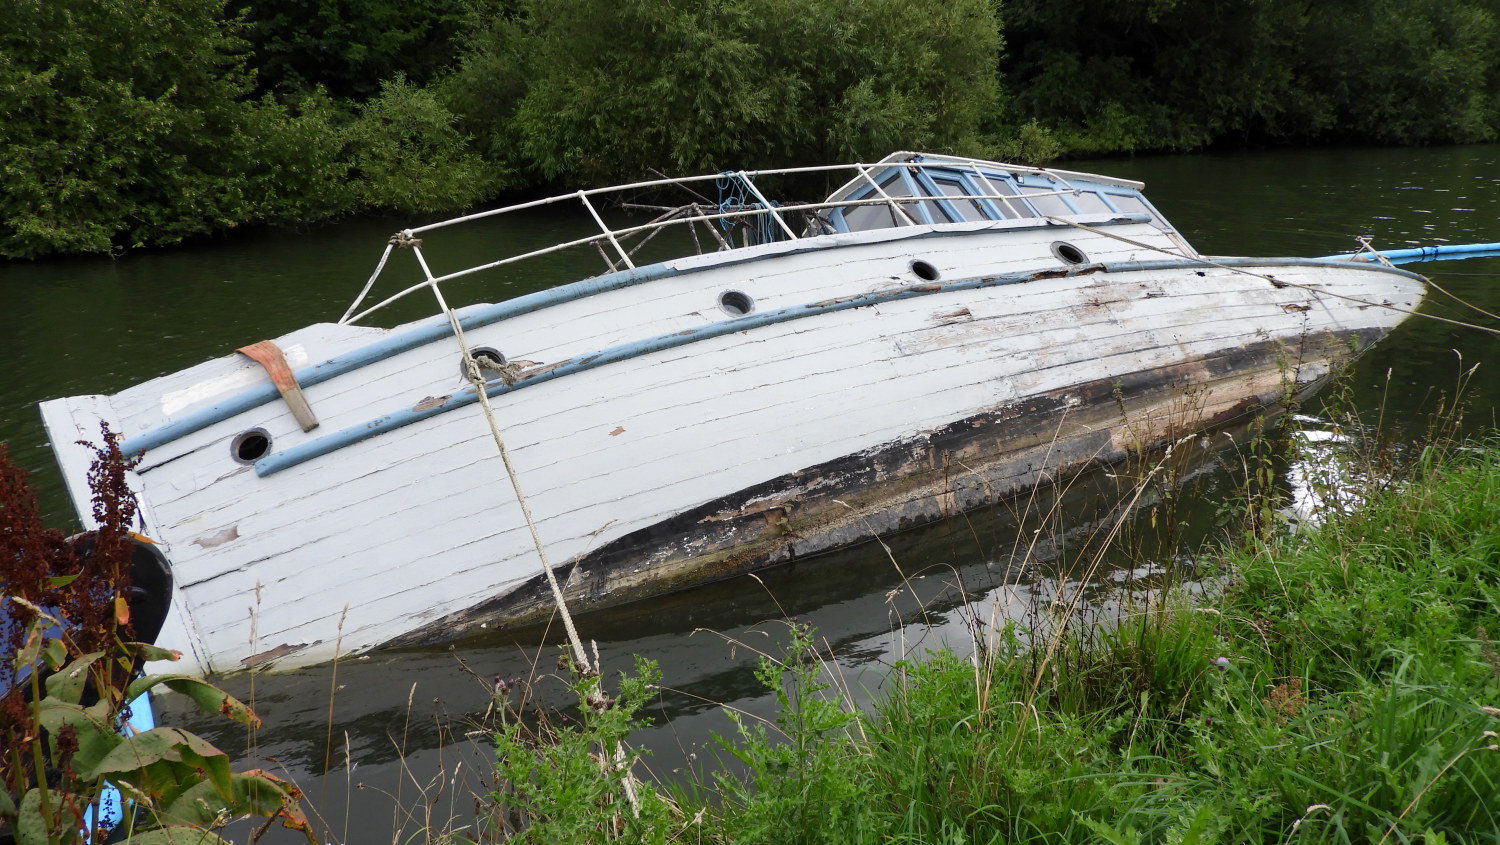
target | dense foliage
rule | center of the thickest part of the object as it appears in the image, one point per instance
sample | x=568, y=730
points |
x=131, y=122
x=350, y=47
x=591, y=89
x=136, y=122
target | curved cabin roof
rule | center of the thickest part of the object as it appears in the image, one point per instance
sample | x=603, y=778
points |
x=888, y=194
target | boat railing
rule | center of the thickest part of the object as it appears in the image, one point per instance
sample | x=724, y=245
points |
x=772, y=221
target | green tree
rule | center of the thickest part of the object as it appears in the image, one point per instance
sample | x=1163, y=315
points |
x=131, y=122
x=124, y=123
x=588, y=90
x=1171, y=74
x=407, y=156
x=348, y=47
x=1410, y=71
x=1147, y=74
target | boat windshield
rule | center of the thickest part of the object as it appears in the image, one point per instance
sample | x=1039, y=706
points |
x=934, y=190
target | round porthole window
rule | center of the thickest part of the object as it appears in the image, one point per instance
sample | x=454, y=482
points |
x=489, y=361
x=250, y=446
x=925, y=271
x=1069, y=254
x=736, y=303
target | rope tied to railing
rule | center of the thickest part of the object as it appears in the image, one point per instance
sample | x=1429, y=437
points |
x=731, y=199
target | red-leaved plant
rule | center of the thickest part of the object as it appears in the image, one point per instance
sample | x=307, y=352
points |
x=69, y=673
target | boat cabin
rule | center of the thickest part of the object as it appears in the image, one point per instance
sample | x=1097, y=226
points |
x=907, y=189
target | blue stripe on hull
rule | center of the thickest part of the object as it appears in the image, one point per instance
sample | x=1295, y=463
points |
x=320, y=446
x=472, y=317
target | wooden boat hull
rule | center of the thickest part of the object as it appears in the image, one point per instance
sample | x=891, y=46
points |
x=876, y=382
x=934, y=475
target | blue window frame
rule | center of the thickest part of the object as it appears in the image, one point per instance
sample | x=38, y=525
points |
x=957, y=195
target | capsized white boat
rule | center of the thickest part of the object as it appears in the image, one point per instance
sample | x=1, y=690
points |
x=937, y=334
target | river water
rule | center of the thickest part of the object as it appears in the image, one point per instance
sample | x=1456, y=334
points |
x=394, y=730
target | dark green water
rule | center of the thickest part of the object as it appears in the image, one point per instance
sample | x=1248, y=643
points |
x=98, y=325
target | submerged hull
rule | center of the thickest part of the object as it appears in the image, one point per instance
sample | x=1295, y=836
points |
x=874, y=381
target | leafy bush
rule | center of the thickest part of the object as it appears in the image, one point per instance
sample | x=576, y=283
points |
x=569, y=779
x=70, y=677
x=407, y=156
x=591, y=90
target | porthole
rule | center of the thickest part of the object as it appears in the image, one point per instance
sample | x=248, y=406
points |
x=489, y=361
x=736, y=303
x=925, y=271
x=250, y=446
x=1068, y=254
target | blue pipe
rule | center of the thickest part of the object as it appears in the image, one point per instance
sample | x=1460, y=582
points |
x=1439, y=252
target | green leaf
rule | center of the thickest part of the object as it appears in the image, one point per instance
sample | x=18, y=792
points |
x=147, y=651
x=94, y=727
x=52, y=715
x=202, y=804
x=1110, y=834
x=54, y=653
x=31, y=828
x=209, y=698
x=153, y=746
x=216, y=766
x=67, y=684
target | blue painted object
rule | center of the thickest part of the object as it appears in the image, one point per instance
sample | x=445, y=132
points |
x=303, y=452
x=1440, y=252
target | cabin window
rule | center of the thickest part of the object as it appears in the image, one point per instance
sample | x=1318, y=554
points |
x=967, y=209
x=880, y=215
x=1050, y=205
x=736, y=303
x=1008, y=210
x=1088, y=202
x=250, y=446
x=1129, y=205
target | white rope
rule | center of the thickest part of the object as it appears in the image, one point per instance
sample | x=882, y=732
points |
x=594, y=695
x=471, y=367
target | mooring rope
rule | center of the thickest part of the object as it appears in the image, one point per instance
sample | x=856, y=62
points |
x=471, y=367
x=594, y=695
x=1281, y=282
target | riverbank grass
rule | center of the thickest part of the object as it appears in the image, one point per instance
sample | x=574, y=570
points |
x=1345, y=687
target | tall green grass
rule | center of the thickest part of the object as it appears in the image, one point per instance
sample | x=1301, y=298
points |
x=1343, y=688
